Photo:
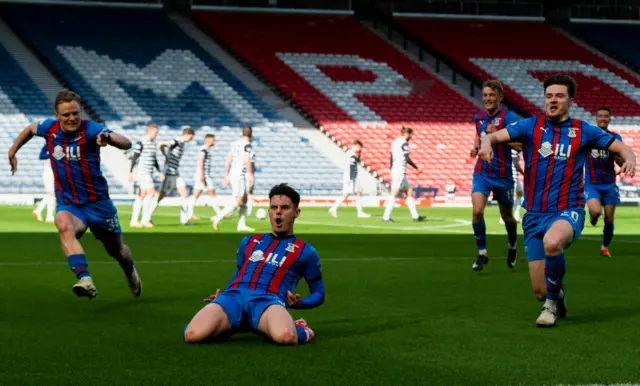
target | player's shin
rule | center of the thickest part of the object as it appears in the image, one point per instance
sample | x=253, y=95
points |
x=554, y=274
x=51, y=206
x=480, y=233
x=41, y=205
x=242, y=216
x=78, y=265
x=411, y=203
x=607, y=235
x=512, y=233
x=388, y=208
x=336, y=204
x=359, y=205
x=137, y=209
x=184, y=210
x=249, y=204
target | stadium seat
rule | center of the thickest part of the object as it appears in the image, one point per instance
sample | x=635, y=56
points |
x=356, y=86
x=616, y=40
x=152, y=71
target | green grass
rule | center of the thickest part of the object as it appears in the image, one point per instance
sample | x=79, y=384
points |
x=403, y=307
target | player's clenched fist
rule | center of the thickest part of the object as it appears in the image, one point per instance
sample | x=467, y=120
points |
x=474, y=152
x=486, y=151
x=293, y=301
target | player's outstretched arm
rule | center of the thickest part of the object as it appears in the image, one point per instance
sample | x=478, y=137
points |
x=488, y=142
x=313, y=277
x=628, y=167
x=116, y=140
x=25, y=136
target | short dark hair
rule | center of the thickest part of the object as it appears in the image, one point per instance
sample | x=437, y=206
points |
x=210, y=136
x=604, y=108
x=495, y=85
x=66, y=96
x=285, y=190
x=188, y=130
x=247, y=131
x=357, y=142
x=562, y=80
x=406, y=130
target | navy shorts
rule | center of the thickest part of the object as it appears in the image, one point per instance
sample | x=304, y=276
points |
x=607, y=194
x=244, y=307
x=502, y=188
x=536, y=224
x=101, y=217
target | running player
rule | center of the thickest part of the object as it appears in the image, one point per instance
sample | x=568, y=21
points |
x=250, y=185
x=600, y=183
x=81, y=190
x=399, y=184
x=173, y=151
x=268, y=270
x=493, y=177
x=516, y=169
x=352, y=158
x=555, y=150
x=202, y=178
x=48, y=201
x=237, y=165
x=145, y=159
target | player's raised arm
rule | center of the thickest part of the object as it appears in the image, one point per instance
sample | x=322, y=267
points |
x=135, y=156
x=116, y=140
x=313, y=277
x=25, y=136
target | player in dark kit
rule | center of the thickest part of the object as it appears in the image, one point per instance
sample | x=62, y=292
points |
x=81, y=190
x=600, y=183
x=268, y=271
x=555, y=149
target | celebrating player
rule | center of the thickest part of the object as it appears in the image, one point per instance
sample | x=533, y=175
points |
x=202, y=177
x=145, y=159
x=81, y=190
x=268, y=271
x=173, y=151
x=493, y=177
x=399, y=184
x=600, y=183
x=238, y=163
x=49, y=200
x=352, y=157
x=555, y=149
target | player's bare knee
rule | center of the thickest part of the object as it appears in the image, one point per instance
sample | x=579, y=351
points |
x=192, y=335
x=285, y=336
x=553, y=245
x=595, y=212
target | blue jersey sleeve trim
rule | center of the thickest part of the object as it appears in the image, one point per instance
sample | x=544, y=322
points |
x=44, y=126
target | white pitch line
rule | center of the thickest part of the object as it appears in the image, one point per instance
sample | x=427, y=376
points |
x=458, y=223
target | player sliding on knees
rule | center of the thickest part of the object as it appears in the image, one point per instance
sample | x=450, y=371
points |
x=82, y=193
x=269, y=268
x=555, y=149
x=495, y=176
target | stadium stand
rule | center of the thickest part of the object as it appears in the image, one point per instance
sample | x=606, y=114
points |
x=152, y=71
x=355, y=85
x=522, y=53
x=613, y=39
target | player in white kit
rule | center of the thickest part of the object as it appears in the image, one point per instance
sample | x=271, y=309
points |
x=173, y=151
x=48, y=201
x=145, y=159
x=519, y=193
x=352, y=157
x=202, y=179
x=237, y=165
x=399, y=184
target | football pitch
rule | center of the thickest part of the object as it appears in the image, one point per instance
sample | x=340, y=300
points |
x=402, y=307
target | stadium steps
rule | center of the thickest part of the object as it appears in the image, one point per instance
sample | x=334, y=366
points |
x=318, y=139
x=29, y=63
x=447, y=75
x=596, y=51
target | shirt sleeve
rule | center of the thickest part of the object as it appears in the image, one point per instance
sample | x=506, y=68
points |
x=44, y=152
x=94, y=129
x=44, y=126
x=520, y=129
x=313, y=277
x=596, y=138
x=509, y=118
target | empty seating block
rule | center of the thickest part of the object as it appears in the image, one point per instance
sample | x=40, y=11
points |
x=356, y=86
x=133, y=66
x=617, y=40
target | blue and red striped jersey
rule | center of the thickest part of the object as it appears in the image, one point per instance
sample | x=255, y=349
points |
x=275, y=265
x=600, y=167
x=500, y=166
x=75, y=160
x=554, y=156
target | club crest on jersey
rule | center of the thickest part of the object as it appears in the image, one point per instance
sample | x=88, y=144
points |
x=496, y=121
x=58, y=153
x=291, y=248
x=572, y=132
